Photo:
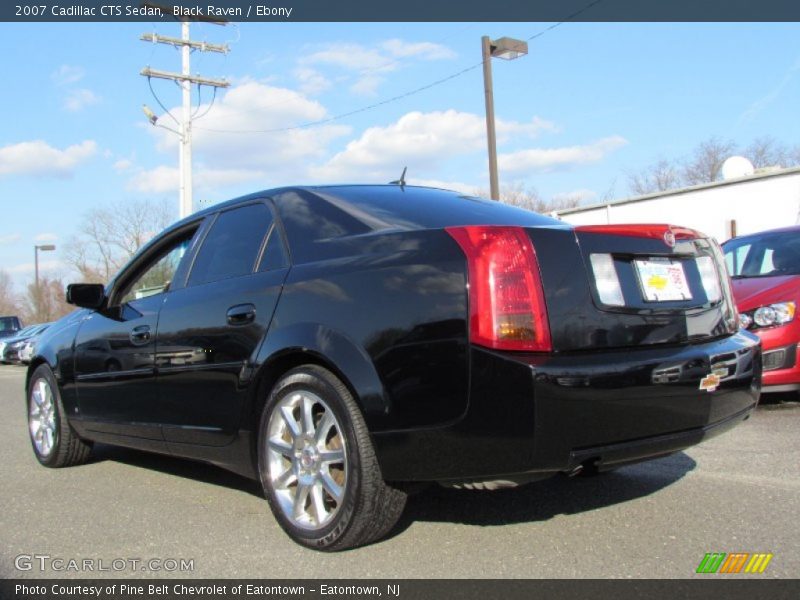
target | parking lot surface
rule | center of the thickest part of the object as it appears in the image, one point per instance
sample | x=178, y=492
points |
x=739, y=492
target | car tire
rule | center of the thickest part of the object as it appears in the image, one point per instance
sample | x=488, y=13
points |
x=54, y=441
x=318, y=467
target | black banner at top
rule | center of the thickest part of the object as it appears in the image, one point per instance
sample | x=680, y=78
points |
x=399, y=10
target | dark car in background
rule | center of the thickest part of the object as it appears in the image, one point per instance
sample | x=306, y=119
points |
x=340, y=344
x=765, y=268
x=9, y=326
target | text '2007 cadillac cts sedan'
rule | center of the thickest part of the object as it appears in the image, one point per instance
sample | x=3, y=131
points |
x=339, y=343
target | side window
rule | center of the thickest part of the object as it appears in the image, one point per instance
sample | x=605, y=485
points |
x=736, y=258
x=766, y=263
x=231, y=247
x=274, y=256
x=157, y=275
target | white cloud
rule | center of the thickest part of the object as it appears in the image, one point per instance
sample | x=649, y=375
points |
x=423, y=50
x=368, y=65
x=367, y=85
x=245, y=136
x=311, y=81
x=456, y=186
x=9, y=238
x=44, y=265
x=67, y=75
x=40, y=158
x=545, y=160
x=420, y=141
x=349, y=56
x=164, y=180
x=764, y=101
x=123, y=164
x=45, y=237
x=79, y=99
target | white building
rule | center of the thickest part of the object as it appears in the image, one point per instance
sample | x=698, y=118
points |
x=722, y=209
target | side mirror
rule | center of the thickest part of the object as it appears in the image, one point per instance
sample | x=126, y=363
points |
x=86, y=295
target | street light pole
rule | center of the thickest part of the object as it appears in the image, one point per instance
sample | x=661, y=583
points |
x=36, y=249
x=508, y=49
x=491, y=138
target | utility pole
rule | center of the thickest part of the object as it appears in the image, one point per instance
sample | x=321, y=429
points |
x=185, y=79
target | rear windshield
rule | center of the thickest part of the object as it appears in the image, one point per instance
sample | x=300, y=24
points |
x=766, y=255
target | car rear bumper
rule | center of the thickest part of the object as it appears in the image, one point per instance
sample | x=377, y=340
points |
x=530, y=416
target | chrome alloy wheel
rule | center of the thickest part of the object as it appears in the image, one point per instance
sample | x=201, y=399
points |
x=306, y=459
x=42, y=417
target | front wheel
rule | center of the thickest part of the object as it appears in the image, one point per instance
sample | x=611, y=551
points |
x=54, y=442
x=318, y=467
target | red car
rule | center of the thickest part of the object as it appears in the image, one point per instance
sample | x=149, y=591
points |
x=765, y=268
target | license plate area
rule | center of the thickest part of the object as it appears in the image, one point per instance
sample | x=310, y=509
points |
x=662, y=280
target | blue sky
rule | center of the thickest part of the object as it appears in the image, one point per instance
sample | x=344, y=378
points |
x=591, y=103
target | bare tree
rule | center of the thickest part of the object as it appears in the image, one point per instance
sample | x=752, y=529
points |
x=518, y=194
x=9, y=302
x=659, y=177
x=45, y=303
x=794, y=156
x=706, y=161
x=110, y=236
x=766, y=151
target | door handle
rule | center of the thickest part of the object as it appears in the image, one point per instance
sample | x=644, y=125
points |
x=140, y=335
x=241, y=314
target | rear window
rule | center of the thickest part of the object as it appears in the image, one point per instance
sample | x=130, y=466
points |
x=764, y=256
x=232, y=246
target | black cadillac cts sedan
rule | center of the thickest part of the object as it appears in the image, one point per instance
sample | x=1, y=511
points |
x=341, y=343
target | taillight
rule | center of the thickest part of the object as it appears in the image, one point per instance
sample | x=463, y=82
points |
x=506, y=300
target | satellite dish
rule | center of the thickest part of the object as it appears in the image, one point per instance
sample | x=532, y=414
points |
x=737, y=166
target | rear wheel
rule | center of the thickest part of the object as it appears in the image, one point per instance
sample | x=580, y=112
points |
x=54, y=442
x=318, y=467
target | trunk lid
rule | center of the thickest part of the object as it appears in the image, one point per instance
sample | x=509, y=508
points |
x=633, y=285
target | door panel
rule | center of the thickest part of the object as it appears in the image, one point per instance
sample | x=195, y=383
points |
x=201, y=352
x=115, y=347
x=115, y=369
x=210, y=330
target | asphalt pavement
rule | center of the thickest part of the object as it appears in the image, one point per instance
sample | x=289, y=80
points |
x=739, y=492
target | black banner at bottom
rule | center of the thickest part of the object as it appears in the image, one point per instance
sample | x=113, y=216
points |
x=407, y=589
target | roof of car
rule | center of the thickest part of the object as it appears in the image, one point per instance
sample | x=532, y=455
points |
x=790, y=229
x=406, y=206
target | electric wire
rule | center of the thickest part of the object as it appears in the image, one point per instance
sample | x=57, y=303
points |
x=399, y=96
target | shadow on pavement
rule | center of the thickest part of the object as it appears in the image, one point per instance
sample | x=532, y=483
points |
x=543, y=500
x=537, y=501
x=177, y=467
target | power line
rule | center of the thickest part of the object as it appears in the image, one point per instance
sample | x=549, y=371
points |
x=399, y=96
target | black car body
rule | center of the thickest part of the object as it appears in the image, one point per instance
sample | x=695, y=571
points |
x=453, y=339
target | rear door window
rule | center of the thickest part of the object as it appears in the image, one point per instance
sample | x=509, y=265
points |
x=233, y=245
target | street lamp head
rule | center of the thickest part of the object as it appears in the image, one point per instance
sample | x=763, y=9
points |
x=46, y=247
x=508, y=48
x=151, y=116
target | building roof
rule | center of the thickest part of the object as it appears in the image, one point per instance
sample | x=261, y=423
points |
x=677, y=191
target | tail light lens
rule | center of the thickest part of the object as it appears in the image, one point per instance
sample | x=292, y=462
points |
x=606, y=280
x=506, y=300
x=710, y=278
